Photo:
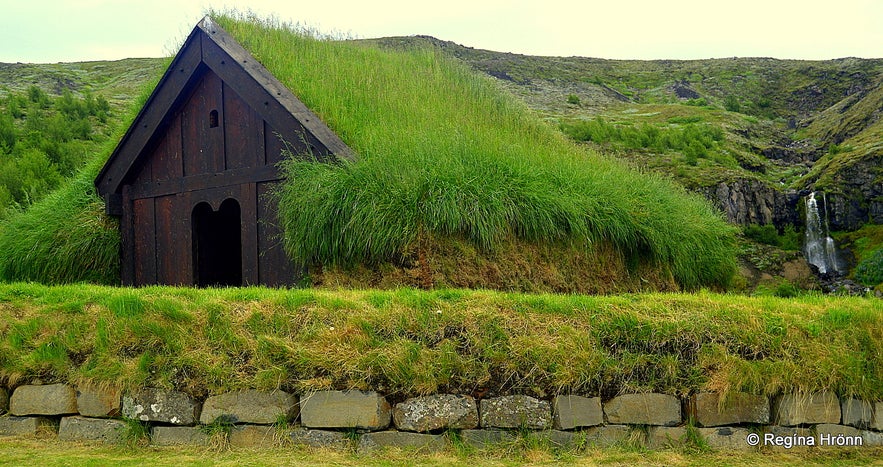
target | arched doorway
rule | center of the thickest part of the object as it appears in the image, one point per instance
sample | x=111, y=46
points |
x=217, y=244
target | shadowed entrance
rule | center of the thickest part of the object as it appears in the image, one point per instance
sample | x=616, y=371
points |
x=217, y=244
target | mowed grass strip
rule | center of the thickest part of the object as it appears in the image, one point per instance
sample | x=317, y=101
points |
x=523, y=452
x=408, y=342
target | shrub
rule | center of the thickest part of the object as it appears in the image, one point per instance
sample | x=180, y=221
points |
x=732, y=104
x=870, y=270
x=790, y=239
x=573, y=99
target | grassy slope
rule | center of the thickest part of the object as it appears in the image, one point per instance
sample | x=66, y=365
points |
x=120, y=82
x=408, y=342
x=766, y=92
x=443, y=152
x=66, y=237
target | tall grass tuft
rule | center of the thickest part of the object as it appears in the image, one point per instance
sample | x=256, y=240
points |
x=66, y=237
x=442, y=151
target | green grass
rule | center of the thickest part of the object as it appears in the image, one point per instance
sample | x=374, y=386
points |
x=410, y=342
x=442, y=151
x=66, y=236
x=21, y=451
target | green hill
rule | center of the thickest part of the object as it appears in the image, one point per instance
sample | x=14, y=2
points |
x=762, y=128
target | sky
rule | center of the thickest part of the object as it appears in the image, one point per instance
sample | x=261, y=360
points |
x=35, y=31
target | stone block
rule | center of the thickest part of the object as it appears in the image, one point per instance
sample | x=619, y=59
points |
x=569, y=412
x=161, y=405
x=857, y=413
x=786, y=438
x=709, y=410
x=608, y=435
x=94, y=401
x=877, y=419
x=517, y=411
x=872, y=438
x=48, y=399
x=4, y=401
x=257, y=407
x=795, y=409
x=644, y=409
x=442, y=411
x=345, y=409
x=482, y=439
x=91, y=429
x=727, y=438
x=659, y=437
x=402, y=440
x=179, y=436
x=254, y=436
x=559, y=438
x=831, y=429
x=24, y=426
x=320, y=438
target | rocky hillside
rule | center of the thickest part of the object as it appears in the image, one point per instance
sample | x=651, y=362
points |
x=754, y=135
x=788, y=126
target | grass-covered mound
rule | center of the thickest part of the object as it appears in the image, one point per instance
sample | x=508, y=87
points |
x=409, y=342
x=65, y=237
x=442, y=152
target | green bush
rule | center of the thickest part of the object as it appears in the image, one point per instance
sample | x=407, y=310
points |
x=732, y=104
x=46, y=144
x=693, y=139
x=790, y=239
x=870, y=270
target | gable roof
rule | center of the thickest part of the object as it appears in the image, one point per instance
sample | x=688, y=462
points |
x=210, y=47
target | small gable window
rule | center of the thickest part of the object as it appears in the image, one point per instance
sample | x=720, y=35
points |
x=213, y=119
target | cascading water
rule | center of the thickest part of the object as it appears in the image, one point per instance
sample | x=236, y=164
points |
x=819, y=247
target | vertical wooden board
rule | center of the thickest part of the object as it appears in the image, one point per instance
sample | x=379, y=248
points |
x=275, y=269
x=166, y=159
x=127, y=241
x=145, y=241
x=277, y=142
x=169, y=248
x=184, y=210
x=248, y=204
x=143, y=173
x=243, y=133
x=203, y=145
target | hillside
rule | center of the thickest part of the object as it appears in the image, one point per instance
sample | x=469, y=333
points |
x=750, y=134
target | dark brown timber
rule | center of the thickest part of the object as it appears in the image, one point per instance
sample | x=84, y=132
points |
x=192, y=179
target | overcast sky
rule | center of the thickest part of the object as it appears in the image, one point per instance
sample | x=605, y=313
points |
x=75, y=30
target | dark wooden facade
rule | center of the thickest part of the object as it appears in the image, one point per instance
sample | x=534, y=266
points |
x=190, y=178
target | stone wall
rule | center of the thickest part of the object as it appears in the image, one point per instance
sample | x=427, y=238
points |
x=366, y=420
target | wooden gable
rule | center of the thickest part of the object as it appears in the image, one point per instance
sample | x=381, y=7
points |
x=212, y=131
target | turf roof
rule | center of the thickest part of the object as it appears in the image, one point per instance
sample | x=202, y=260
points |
x=442, y=150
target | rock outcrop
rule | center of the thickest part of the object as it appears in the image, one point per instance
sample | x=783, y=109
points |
x=855, y=195
x=746, y=201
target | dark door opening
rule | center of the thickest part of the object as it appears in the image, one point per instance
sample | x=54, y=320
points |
x=217, y=245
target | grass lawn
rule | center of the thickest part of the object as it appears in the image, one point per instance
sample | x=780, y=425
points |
x=30, y=451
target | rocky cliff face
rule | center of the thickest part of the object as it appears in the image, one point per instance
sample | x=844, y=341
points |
x=855, y=194
x=746, y=201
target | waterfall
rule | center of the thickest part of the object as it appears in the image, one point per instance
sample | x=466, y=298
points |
x=819, y=247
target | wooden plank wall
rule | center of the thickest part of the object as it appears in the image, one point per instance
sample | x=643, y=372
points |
x=188, y=163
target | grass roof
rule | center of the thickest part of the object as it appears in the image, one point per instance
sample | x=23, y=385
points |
x=441, y=150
